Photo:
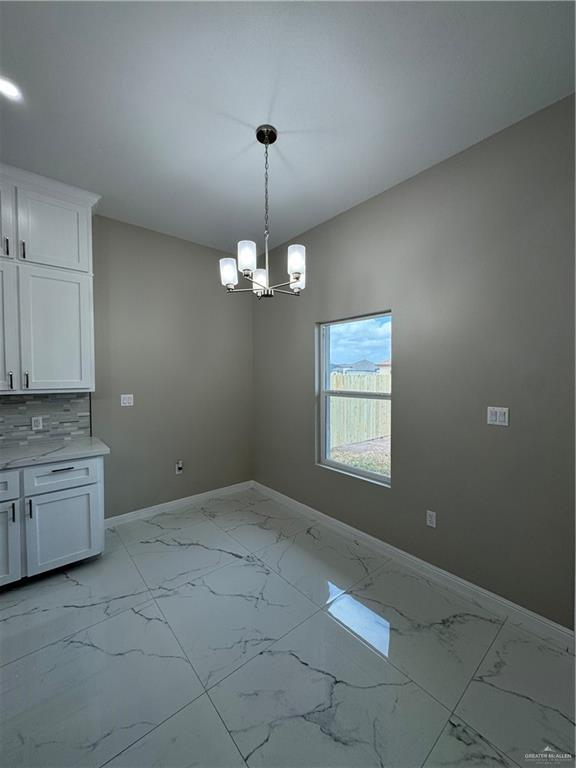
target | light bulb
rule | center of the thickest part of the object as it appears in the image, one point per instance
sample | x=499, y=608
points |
x=228, y=272
x=296, y=259
x=246, y=256
x=260, y=276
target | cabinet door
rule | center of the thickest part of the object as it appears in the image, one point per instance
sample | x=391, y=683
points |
x=57, y=341
x=62, y=527
x=7, y=220
x=52, y=230
x=10, y=557
x=9, y=351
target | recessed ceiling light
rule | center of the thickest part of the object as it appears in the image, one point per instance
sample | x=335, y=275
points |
x=10, y=89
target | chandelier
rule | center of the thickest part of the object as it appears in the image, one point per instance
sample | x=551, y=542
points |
x=247, y=264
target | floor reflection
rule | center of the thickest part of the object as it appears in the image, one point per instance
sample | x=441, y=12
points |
x=370, y=626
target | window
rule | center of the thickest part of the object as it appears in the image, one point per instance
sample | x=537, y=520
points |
x=355, y=377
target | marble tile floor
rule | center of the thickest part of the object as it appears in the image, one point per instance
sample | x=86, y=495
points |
x=239, y=632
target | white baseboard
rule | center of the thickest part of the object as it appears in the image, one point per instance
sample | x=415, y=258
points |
x=516, y=614
x=176, y=504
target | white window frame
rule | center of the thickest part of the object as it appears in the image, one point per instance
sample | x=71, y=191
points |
x=324, y=394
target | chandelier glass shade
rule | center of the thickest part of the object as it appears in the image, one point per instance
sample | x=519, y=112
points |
x=246, y=263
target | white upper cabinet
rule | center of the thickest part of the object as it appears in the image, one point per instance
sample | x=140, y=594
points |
x=55, y=329
x=53, y=230
x=7, y=219
x=9, y=351
x=44, y=221
x=46, y=323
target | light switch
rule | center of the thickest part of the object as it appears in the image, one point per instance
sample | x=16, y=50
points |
x=498, y=416
x=126, y=399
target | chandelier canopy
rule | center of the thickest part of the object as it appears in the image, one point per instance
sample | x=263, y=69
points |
x=247, y=263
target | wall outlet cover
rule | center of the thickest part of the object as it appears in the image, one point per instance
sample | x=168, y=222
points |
x=430, y=518
x=498, y=416
x=37, y=423
x=179, y=466
x=126, y=400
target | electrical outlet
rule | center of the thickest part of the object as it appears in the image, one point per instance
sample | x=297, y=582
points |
x=179, y=467
x=37, y=423
x=126, y=399
x=430, y=518
x=498, y=416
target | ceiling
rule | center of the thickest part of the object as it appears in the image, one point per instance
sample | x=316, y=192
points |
x=154, y=105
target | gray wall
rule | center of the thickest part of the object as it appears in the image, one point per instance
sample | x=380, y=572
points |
x=475, y=259
x=167, y=332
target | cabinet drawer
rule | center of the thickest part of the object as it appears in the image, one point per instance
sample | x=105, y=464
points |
x=56, y=477
x=9, y=485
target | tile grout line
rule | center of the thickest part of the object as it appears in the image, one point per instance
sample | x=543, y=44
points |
x=226, y=727
x=325, y=609
x=454, y=713
x=207, y=690
x=276, y=640
x=496, y=636
x=248, y=661
x=188, y=703
x=95, y=623
x=391, y=560
x=77, y=631
x=129, y=746
x=387, y=560
x=254, y=553
x=319, y=609
x=155, y=600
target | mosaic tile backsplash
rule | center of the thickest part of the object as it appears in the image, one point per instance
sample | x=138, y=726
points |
x=65, y=416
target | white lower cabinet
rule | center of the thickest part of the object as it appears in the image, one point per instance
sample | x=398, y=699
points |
x=44, y=528
x=62, y=527
x=10, y=551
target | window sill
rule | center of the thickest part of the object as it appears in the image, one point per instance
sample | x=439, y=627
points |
x=385, y=482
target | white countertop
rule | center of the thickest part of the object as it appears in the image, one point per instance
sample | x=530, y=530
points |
x=46, y=451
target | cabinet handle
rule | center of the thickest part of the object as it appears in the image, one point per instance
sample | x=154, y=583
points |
x=27, y=379
x=13, y=511
x=7, y=246
x=11, y=378
x=30, y=508
x=23, y=249
x=62, y=469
